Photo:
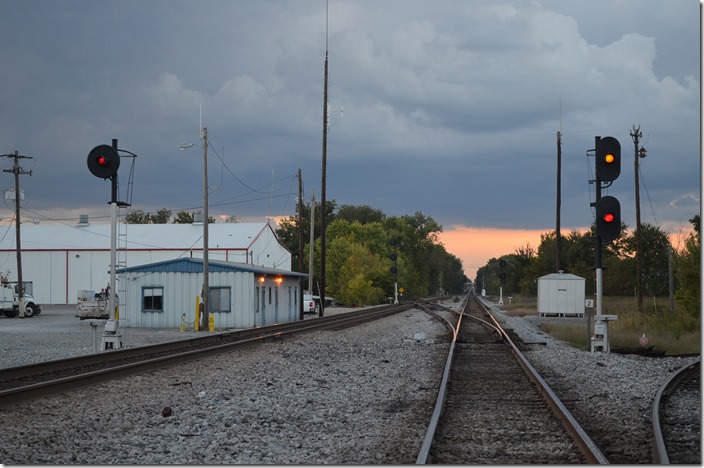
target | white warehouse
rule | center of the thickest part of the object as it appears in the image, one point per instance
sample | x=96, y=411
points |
x=62, y=259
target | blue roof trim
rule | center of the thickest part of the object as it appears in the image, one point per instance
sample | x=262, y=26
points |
x=195, y=265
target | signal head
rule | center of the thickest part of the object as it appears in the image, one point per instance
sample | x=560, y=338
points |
x=608, y=159
x=608, y=218
x=103, y=161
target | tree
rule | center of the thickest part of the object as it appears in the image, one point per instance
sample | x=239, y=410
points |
x=688, y=268
x=137, y=217
x=361, y=256
x=356, y=275
x=364, y=214
x=655, y=245
x=183, y=217
x=161, y=216
x=415, y=236
x=288, y=231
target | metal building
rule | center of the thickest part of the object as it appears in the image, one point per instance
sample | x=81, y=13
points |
x=60, y=259
x=164, y=294
x=561, y=294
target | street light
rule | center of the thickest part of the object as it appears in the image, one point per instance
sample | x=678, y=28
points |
x=206, y=286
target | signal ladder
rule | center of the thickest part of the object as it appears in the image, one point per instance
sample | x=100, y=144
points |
x=121, y=261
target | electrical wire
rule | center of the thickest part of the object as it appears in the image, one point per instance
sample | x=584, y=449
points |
x=230, y=171
x=650, y=202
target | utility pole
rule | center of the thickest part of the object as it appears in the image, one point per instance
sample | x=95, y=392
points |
x=300, y=244
x=558, y=250
x=206, y=285
x=636, y=134
x=311, y=245
x=17, y=171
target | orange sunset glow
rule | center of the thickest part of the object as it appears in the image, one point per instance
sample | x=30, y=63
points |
x=476, y=246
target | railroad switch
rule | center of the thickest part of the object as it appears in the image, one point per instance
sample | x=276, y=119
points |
x=600, y=339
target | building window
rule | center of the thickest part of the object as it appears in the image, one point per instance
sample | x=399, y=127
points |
x=152, y=299
x=219, y=300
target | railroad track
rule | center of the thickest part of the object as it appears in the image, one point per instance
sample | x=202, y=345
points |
x=677, y=418
x=23, y=383
x=493, y=408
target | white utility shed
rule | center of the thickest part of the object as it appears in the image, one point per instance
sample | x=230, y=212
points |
x=561, y=294
x=62, y=259
x=163, y=294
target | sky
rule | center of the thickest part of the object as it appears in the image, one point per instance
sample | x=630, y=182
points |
x=448, y=108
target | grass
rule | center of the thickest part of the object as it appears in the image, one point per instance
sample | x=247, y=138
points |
x=675, y=333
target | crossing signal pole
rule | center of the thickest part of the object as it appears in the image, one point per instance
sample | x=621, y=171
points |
x=608, y=228
x=17, y=171
x=103, y=162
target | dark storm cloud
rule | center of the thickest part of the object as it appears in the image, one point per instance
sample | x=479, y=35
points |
x=444, y=103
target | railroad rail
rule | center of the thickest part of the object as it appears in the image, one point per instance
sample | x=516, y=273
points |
x=487, y=410
x=676, y=428
x=27, y=382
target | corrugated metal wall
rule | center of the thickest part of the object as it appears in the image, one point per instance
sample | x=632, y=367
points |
x=58, y=275
x=182, y=289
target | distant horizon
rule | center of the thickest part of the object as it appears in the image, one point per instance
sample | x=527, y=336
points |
x=473, y=246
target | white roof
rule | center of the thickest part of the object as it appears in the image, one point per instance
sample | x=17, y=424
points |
x=139, y=236
x=561, y=276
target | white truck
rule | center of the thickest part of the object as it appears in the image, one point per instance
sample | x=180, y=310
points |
x=9, y=295
x=310, y=304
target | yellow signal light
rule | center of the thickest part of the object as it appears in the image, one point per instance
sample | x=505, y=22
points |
x=609, y=158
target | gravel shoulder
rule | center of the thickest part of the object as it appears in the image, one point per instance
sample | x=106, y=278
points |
x=357, y=395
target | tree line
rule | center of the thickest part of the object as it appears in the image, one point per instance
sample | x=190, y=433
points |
x=163, y=216
x=658, y=258
x=359, y=249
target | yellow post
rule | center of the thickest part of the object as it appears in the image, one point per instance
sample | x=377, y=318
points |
x=195, y=326
x=211, y=322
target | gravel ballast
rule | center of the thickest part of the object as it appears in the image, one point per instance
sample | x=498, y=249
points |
x=355, y=395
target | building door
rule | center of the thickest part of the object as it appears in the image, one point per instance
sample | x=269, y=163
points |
x=262, y=315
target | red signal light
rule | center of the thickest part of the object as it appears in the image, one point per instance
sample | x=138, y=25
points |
x=608, y=218
x=103, y=161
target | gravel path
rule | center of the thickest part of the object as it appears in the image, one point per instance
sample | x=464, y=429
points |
x=357, y=395
x=337, y=396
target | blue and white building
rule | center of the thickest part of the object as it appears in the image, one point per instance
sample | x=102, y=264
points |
x=165, y=294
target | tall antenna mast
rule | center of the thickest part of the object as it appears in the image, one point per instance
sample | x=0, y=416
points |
x=322, y=191
x=558, y=249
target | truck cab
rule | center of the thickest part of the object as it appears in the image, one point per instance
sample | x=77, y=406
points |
x=9, y=295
